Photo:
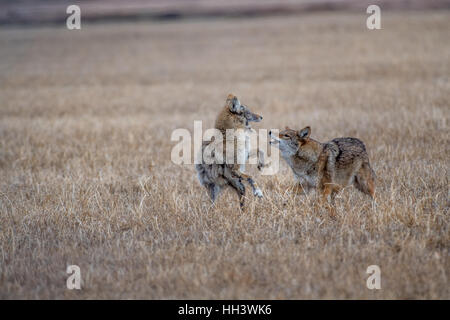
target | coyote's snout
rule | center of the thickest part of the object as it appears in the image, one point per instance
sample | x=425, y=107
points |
x=326, y=166
x=251, y=117
x=215, y=176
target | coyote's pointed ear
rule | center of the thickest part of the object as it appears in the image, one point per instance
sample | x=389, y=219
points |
x=304, y=133
x=234, y=104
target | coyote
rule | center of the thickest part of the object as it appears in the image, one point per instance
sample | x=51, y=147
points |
x=215, y=176
x=326, y=166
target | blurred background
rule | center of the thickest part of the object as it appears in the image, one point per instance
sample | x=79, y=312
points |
x=48, y=11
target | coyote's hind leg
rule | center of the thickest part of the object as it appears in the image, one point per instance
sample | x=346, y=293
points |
x=365, y=180
x=235, y=182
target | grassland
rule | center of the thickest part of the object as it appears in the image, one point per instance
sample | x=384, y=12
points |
x=86, y=177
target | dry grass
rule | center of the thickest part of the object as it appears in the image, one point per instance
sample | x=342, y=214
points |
x=86, y=176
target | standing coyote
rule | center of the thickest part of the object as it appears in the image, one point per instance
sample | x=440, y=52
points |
x=326, y=166
x=215, y=176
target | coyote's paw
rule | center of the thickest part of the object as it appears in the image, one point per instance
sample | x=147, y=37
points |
x=261, y=166
x=258, y=193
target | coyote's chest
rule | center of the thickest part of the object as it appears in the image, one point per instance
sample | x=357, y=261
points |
x=305, y=171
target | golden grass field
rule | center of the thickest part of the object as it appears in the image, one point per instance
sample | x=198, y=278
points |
x=86, y=177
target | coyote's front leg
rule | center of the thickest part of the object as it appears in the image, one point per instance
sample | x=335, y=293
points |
x=256, y=190
x=261, y=162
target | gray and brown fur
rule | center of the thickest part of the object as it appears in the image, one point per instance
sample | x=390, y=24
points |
x=215, y=177
x=326, y=166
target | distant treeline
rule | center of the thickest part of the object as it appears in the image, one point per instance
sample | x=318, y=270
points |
x=52, y=11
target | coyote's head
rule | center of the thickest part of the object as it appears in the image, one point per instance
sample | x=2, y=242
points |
x=241, y=111
x=289, y=140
